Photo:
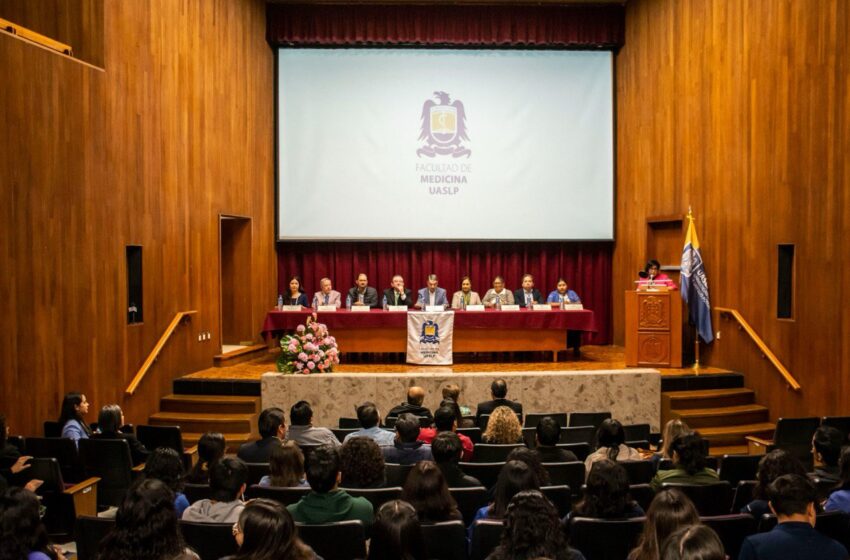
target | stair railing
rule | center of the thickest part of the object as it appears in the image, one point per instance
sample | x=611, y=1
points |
x=179, y=318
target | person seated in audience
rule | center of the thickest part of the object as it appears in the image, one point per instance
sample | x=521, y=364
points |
x=606, y=494
x=792, y=499
x=514, y=477
x=445, y=420
x=362, y=464
x=528, y=295
x=326, y=503
x=826, y=449
x=532, y=531
x=688, y=464
x=397, y=533
x=669, y=510
x=531, y=458
x=12, y=463
x=839, y=499
x=652, y=275
x=165, y=465
x=498, y=293
x=415, y=397
x=407, y=449
x=773, y=465
x=397, y=294
x=302, y=431
x=362, y=293
x=464, y=297
x=286, y=466
x=432, y=294
x=295, y=294
x=562, y=293
x=547, y=436
x=694, y=542
x=611, y=445
x=71, y=418
x=446, y=449
x=146, y=526
x=22, y=533
x=109, y=423
x=426, y=490
x=272, y=427
x=211, y=448
x=503, y=427
x=265, y=530
x=370, y=421
x=672, y=429
x=327, y=295
x=452, y=391
x=498, y=392
x=228, y=478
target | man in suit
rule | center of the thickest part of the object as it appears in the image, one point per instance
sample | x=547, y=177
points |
x=432, y=295
x=272, y=427
x=398, y=294
x=528, y=294
x=327, y=295
x=498, y=390
x=792, y=498
x=415, y=397
x=362, y=293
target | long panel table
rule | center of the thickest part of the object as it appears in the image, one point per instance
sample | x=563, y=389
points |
x=474, y=331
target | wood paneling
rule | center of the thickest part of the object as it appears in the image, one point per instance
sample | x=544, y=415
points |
x=177, y=129
x=741, y=109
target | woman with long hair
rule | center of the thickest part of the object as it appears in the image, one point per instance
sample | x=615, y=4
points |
x=773, y=465
x=22, y=534
x=362, y=464
x=426, y=490
x=74, y=408
x=670, y=510
x=211, y=448
x=531, y=458
x=514, y=477
x=606, y=494
x=109, y=423
x=165, y=465
x=266, y=531
x=689, y=463
x=839, y=499
x=397, y=533
x=672, y=429
x=295, y=294
x=696, y=542
x=286, y=463
x=503, y=427
x=611, y=445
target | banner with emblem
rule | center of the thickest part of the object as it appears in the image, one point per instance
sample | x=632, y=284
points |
x=429, y=338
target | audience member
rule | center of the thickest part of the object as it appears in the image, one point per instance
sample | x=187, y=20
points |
x=370, y=425
x=415, y=397
x=74, y=408
x=695, y=542
x=606, y=494
x=445, y=420
x=397, y=534
x=109, y=423
x=286, y=466
x=301, y=429
x=211, y=448
x=839, y=499
x=326, y=503
x=228, y=478
x=672, y=429
x=548, y=434
x=688, y=453
x=531, y=458
x=165, y=465
x=146, y=526
x=514, y=477
x=498, y=392
x=266, y=531
x=531, y=531
x=452, y=391
x=773, y=465
x=826, y=449
x=272, y=427
x=503, y=427
x=22, y=534
x=406, y=449
x=12, y=463
x=446, y=449
x=792, y=499
x=426, y=490
x=611, y=445
x=362, y=464
x=669, y=510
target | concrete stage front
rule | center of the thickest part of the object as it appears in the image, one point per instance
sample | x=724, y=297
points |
x=633, y=396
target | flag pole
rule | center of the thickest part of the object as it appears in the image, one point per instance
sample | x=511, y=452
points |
x=695, y=367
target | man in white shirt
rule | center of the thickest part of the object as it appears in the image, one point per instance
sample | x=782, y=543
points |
x=327, y=295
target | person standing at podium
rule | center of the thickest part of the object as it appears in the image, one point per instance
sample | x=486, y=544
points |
x=498, y=292
x=465, y=296
x=362, y=293
x=397, y=294
x=652, y=276
x=562, y=293
x=327, y=295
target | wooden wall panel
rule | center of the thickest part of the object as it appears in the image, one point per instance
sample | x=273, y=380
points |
x=177, y=129
x=741, y=109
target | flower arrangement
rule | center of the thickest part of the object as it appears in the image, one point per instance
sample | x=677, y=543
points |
x=310, y=350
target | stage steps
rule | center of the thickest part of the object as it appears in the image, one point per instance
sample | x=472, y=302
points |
x=240, y=355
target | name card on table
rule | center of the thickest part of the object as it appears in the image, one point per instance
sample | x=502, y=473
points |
x=511, y=307
x=434, y=308
x=397, y=308
x=573, y=306
x=361, y=308
x=541, y=307
x=290, y=308
x=475, y=308
x=327, y=308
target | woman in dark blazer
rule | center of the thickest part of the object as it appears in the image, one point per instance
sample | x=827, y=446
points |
x=109, y=423
x=296, y=295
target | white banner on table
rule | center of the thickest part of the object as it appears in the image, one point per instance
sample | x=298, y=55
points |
x=429, y=338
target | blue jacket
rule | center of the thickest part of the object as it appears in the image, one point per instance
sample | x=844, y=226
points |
x=792, y=541
x=440, y=297
x=555, y=297
x=75, y=431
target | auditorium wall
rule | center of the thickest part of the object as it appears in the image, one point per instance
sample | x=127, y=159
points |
x=742, y=111
x=149, y=148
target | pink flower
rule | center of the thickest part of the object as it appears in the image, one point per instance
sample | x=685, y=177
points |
x=311, y=365
x=299, y=328
x=302, y=356
x=321, y=353
x=298, y=365
x=321, y=367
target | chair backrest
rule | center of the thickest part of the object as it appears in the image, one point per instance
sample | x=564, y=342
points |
x=469, y=501
x=840, y=423
x=47, y=470
x=578, y=434
x=493, y=452
x=340, y=433
x=533, y=418
x=348, y=423
x=19, y=442
x=588, y=418
x=580, y=450
x=376, y=496
x=735, y=468
x=59, y=513
x=825, y=488
x=446, y=540
x=794, y=435
x=732, y=530
x=397, y=474
x=210, y=540
x=285, y=496
x=63, y=450
x=195, y=492
x=605, y=539
x=487, y=473
x=110, y=460
x=88, y=533
x=256, y=471
x=743, y=494
x=153, y=437
x=570, y=474
x=482, y=421
x=643, y=494
x=640, y=472
x=561, y=497
x=486, y=534
x=667, y=464
x=709, y=499
x=473, y=434
x=424, y=422
x=637, y=432
x=52, y=429
x=342, y=540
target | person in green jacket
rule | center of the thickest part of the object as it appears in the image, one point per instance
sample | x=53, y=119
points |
x=688, y=454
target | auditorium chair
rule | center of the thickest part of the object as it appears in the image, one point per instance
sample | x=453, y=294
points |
x=348, y=423
x=487, y=473
x=343, y=540
x=560, y=496
x=376, y=496
x=424, y=422
x=732, y=530
x=667, y=464
x=154, y=437
x=19, y=442
x=709, y=499
x=735, y=468
x=63, y=503
x=89, y=531
x=469, y=501
x=587, y=419
x=640, y=472
x=833, y=524
x=486, y=534
x=493, y=452
x=210, y=540
x=340, y=433
x=397, y=474
x=602, y=539
x=580, y=450
x=578, y=434
x=794, y=435
x=840, y=423
x=743, y=494
x=643, y=494
x=473, y=434
x=256, y=471
x=571, y=474
x=637, y=432
x=285, y=496
x=533, y=418
x=109, y=460
x=825, y=488
x=196, y=492
x=64, y=450
x=446, y=540
x=52, y=429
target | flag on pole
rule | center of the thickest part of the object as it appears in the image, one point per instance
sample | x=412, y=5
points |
x=694, y=284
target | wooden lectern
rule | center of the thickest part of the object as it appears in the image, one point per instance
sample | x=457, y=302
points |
x=653, y=328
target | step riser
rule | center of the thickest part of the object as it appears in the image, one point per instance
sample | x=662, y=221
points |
x=206, y=425
x=684, y=403
x=223, y=407
x=739, y=418
x=734, y=439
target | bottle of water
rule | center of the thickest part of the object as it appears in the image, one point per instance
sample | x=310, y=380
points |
x=315, y=303
x=279, y=302
x=563, y=302
x=348, y=302
x=498, y=302
x=462, y=302
x=385, y=303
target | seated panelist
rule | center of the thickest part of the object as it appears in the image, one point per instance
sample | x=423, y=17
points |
x=295, y=294
x=528, y=295
x=465, y=295
x=562, y=293
x=652, y=275
x=397, y=294
x=432, y=295
x=498, y=292
x=327, y=295
x=362, y=293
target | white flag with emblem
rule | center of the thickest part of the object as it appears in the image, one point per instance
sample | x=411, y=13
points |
x=429, y=338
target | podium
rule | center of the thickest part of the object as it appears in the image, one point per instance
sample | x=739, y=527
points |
x=653, y=328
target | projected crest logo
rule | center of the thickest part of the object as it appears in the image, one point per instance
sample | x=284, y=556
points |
x=443, y=127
